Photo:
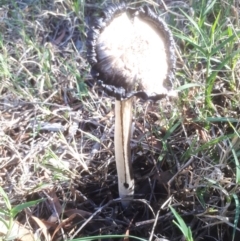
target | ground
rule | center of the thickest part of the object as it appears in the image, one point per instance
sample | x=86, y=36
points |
x=57, y=168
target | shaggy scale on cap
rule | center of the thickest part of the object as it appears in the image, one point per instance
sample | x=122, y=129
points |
x=131, y=52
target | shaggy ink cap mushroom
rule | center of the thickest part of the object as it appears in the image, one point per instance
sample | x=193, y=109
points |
x=131, y=53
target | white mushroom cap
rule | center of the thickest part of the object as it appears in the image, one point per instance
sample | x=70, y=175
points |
x=131, y=52
x=134, y=49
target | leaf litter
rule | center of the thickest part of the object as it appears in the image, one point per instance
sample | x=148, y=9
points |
x=56, y=141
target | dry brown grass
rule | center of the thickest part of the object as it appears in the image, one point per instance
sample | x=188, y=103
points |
x=56, y=136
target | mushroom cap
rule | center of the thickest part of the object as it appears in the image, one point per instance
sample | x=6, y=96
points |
x=131, y=51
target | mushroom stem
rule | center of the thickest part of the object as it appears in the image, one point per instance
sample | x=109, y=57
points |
x=123, y=123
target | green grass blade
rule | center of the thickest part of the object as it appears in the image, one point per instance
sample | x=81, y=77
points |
x=195, y=25
x=235, y=155
x=214, y=28
x=237, y=212
x=190, y=237
x=182, y=225
x=200, y=193
x=221, y=119
x=191, y=41
x=213, y=142
x=211, y=79
x=187, y=86
x=4, y=212
x=100, y=237
x=20, y=207
x=4, y=222
x=236, y=163
x=209, y=7
x=5, y=197
x=171, y=130
x=222, y=44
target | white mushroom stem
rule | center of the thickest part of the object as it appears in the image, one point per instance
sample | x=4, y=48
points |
x=123, y=123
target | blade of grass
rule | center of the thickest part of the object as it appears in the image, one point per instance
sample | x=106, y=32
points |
x=213, y=142
x=191, y=41
x=17, y=209
x=186, y=231
x=211, y=79
x=4, y=222
x=195, y=25
x=221, y=119
x=232, y=144
x=236, y=163
x=199, y=194
x=5, y=197
x=100, y=237
x=209, y=7
x=171, y=130
x=187, y=86
x=222, y=44
x=237, y=212
x=213, y=28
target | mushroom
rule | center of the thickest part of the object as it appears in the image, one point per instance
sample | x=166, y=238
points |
x=131, y=53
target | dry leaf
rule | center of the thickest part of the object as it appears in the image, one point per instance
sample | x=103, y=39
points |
x=81, y=213
x=43, y=228
x=55, y=202
x=18, y=232
x=63, y=224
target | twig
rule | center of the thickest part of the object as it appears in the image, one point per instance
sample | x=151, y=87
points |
x=154, y=225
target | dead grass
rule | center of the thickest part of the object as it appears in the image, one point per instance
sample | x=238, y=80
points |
x=56, y=136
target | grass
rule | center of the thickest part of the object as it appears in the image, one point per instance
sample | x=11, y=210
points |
x=56, y=130
x=181, y=225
